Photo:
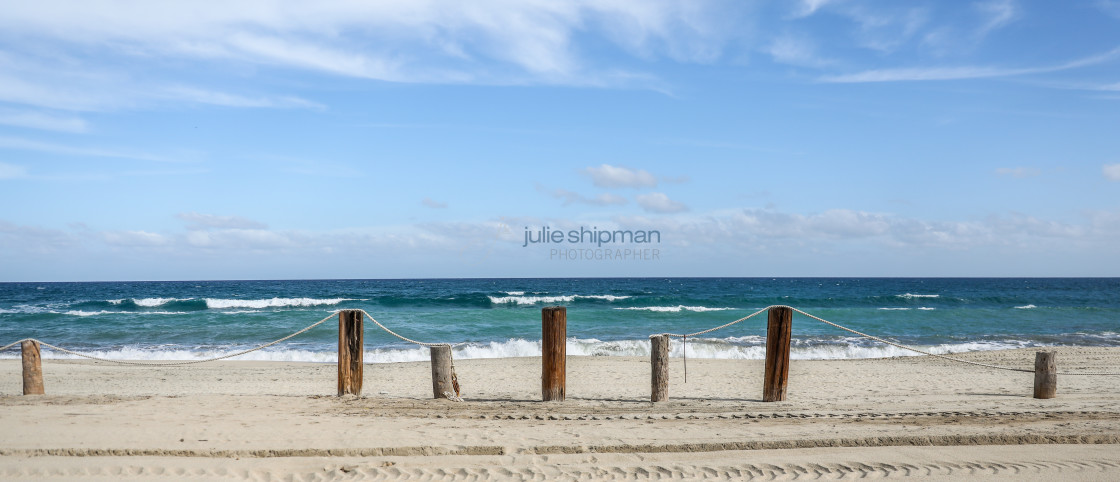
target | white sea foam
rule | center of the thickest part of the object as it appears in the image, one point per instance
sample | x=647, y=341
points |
x=515, y=293
x=738, y=348
x=673, y=309
x=909, y=296
x=532, y=300
x=153, y=302
x=896, y=309
x=924, y=308
x=1026, y=307
x=106, y=312
x=217, y=303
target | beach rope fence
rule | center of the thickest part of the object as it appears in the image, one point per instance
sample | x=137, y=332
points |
x=440, y=350
x=445, y=380
x=778, y=350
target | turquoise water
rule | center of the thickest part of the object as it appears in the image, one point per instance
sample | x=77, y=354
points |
x=501, y=317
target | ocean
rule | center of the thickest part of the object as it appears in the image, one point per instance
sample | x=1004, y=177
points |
x=495, y=318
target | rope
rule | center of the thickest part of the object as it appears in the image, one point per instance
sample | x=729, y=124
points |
x=904, y=347
x=175, y=363
x=391, y=332
x=875, y=338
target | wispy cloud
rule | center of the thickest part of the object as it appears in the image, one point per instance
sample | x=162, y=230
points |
x=207, y=221
x=434, y=41
x=12, y=171
x=32, y=145
x=1111, y=172
x=796, y=50
x=998, y=13
x=805, y=8
x=571, y=197
x=959, y=73
x=43, y=121
x=204, y=96
x=1018, y=172
x=431, y=203
x=609, y=176
x=657, y=202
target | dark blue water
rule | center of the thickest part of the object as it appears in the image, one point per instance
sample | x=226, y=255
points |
x=501, y=317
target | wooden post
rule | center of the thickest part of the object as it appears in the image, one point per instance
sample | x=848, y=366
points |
x=32, y=368
x=554, y=349
x=1045, y=374
x=351, y=349
x=441, y=372
x=779, y=327
x=659, y=368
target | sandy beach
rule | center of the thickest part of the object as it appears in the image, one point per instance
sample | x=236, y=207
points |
x=844, y=419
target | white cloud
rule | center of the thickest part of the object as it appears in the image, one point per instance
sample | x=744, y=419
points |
x=134, y=239
x=656, y=202
x=44, y=121
x=806, y=8
x=12, y=171
x=999, y=13
x=1111, y=172
x=958, y=73
x=609, y=176
x=203, y=96
x=32, y=145
x=206, y=221
x=570, y=197
x=429, y=202
x=424, y=41
x=1018, y=172
x=796, y=50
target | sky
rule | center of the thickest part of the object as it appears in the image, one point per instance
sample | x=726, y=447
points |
x=185, y=140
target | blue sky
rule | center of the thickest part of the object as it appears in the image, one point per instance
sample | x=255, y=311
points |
x=248, y=140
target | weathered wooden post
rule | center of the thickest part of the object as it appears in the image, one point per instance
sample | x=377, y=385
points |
x=1045, y=374
x=350, y=352
x=659, y=368
x=554, y=340
x=441, y=372
x=32, y=368
x=779, y=327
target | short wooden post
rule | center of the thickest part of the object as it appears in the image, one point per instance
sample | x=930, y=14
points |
x=1045, y=374
x=779, y=327
x=554, y=349
x=32, y=368
x=659, y=368
x=441, y=372
x=350, y=352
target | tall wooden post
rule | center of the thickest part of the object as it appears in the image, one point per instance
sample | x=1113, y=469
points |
x=441, y=372
x=32, y=368
x=351, y=349
x=554, y=349
x=1045, y=374
x=779, y=327
x=659, y=368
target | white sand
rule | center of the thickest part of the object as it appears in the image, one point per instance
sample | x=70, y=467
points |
x=844, y=419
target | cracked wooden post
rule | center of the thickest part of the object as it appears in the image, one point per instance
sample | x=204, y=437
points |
x=350, y=351
x=779, y=327
x=32, y=368
x=441, y=372
x=554, y=350
x=1045, y=374
x=659, y=368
